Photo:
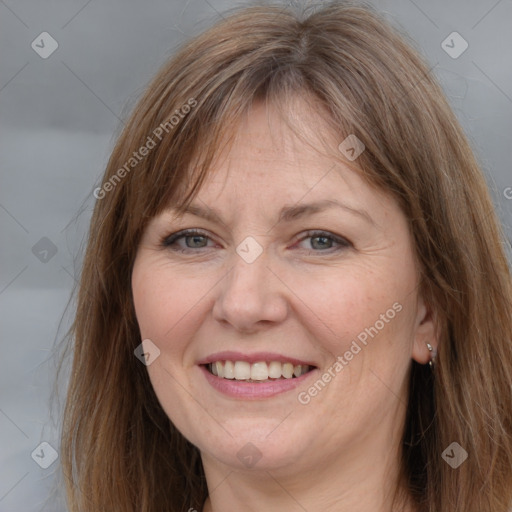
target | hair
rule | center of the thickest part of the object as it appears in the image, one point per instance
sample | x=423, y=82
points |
x=119, y=449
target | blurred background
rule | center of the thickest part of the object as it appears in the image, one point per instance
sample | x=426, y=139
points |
x=70, y=72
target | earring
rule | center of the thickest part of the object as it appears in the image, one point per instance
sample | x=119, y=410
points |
x=431, y=363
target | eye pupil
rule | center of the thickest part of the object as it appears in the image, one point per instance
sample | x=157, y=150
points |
x=197, y=241
x=325, y=242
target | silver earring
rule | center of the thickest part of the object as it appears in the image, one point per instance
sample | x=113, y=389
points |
x=431, y=363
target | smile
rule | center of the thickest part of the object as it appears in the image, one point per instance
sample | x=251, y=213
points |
x=260, y=371
x=255, y=376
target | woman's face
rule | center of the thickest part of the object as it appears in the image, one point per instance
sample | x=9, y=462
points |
x=297, y=266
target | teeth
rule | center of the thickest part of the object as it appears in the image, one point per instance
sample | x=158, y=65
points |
x=242, y=370
x=229, y=370
x=260, y=371
x=287, y=370
x=274, y=370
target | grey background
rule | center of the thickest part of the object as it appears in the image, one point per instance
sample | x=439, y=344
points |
x=59, y=118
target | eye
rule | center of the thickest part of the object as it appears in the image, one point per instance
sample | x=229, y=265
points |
x=192, y=240
x=323, y=241
x=187, y=239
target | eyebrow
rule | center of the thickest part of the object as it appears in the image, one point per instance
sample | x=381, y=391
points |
x=286, y=214
x=289, y=213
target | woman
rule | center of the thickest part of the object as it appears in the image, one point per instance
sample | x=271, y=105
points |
x=294, y=295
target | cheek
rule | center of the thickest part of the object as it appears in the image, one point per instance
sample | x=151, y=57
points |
x=167, y=310
x=363, y=314
x=168, y=306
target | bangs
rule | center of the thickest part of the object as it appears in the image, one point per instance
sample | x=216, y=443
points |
x=183, y=161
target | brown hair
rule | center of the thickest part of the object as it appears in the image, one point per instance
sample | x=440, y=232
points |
x=119, y=449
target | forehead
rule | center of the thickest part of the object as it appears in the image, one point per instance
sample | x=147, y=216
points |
x=273, y=171
x=284, y=157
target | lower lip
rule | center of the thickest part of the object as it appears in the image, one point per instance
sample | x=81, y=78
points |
x=252, y=390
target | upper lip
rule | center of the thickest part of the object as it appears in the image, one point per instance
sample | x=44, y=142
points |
x=256, y=357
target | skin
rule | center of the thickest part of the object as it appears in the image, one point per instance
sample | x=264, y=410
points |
x=302, y=297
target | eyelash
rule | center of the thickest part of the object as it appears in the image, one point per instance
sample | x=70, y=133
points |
x=169, y=241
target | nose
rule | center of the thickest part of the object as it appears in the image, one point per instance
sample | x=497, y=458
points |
x=250, y=297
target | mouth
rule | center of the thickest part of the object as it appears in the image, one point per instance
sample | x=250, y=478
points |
x=255, y=376
x=258, y=372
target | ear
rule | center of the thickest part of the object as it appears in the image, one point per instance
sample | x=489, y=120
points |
x=425, y=331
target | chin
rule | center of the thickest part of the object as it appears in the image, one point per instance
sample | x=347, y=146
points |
x=255, y=449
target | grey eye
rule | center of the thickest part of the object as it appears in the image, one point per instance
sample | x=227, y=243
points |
x=196, y=241
x=188, y=239
x=321, y=242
